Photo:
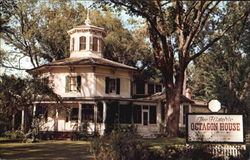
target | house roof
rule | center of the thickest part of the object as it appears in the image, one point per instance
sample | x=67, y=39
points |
x=160, y=96
x=85, y=61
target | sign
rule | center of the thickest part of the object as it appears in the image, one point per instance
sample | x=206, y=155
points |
x=215, y=128
x=214, y=105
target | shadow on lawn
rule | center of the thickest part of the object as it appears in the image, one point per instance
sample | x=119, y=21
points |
x=46, y=150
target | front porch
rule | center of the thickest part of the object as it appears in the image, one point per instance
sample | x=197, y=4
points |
x=98, y=116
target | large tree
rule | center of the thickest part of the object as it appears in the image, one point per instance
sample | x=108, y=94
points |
x=224, y=74
x=176, y=32
x=39, y=32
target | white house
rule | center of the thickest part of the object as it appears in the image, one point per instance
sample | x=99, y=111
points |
x=99, y=91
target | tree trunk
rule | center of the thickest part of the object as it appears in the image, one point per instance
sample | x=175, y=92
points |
x=172, y=115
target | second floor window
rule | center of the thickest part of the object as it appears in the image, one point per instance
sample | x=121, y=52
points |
x=73, y=83
x=140, y=88
x=112, y=85
x=82, y=43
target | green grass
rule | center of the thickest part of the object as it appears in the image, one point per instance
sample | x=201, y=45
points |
x=160, y=142
x=69, y=149
x=46, y=150
x=3, y=138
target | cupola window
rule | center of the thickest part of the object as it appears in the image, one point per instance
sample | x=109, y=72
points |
x=95, y=44
x=72, y=44
x=82, y=43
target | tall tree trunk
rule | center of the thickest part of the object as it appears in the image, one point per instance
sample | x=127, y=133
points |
x=172, y=116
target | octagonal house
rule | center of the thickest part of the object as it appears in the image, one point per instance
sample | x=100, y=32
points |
x=96, y=93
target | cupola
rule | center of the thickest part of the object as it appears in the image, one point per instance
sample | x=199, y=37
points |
x=86, y=40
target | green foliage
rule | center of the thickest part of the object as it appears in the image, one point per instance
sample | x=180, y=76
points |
x=40, y=33
x=83, y=133
x=223, y=74
x=15, y=135
x=17, y=94
x=118, y=146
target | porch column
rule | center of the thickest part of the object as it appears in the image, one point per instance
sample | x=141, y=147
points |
x=34, y=110
x=22, y=121
x=13, y=122
x=158, y=113
x=95, y=116
x=56, y=121
x=79, y=116
x=104, y=111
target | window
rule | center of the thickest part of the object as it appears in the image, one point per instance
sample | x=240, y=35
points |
x=152, y=115
x=95, y=44
x=112, y=85
x=74, y=114
x=185, y=111
x=137, y=114
x=125, y=114
x=88, y=112
x=100, y=45
x=82, y=43
x=73, y=83
x=158, y=88
x=151, y=89
x=72, y=44
x=140, y=88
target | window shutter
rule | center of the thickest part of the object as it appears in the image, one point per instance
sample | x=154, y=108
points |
x=107, y=85
x=67, y=87
x=79, y=80
x=118, y=86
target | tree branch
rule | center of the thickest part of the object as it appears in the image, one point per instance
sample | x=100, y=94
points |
x=217, y=38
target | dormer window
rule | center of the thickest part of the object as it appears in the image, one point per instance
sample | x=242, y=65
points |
x=82, y=43
x=95, y=44
x=72, y=44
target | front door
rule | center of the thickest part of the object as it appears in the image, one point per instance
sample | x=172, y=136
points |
x=145, y=118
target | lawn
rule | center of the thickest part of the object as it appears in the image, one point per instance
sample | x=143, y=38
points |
x=68, y=149
x=46, y=150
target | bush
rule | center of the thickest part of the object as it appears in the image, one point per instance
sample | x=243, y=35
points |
x=121, y=144
x=84, y=133
x=124, y=144
x=15, y=135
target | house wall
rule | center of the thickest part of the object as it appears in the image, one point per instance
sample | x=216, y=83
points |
x=149, y=130
x=181, y=124
x=92, y=81
x=125, y=82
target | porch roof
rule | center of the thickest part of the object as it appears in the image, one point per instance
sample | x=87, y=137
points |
x=160, y=96
x=79, y=99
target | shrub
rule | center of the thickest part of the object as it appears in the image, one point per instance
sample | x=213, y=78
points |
x=121, y=144
x=15, y=134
